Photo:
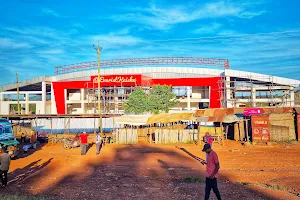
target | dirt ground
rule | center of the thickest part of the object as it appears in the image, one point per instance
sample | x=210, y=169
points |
x=156, y=172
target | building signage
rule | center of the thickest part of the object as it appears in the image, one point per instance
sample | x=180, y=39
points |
x=117, y=79
x=252, y=111
x=298, y=120
x=260, y=129
x=122, y=80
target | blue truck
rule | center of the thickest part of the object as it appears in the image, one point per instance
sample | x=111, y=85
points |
x=8, y=141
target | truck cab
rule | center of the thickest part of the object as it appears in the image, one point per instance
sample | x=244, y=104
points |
x=8, y=141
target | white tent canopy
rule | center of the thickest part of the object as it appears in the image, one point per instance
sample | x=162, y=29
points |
x=135, y=120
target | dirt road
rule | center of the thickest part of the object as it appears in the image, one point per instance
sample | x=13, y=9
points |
x=156, y=172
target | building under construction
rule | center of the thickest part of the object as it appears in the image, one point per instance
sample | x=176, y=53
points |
x=74, y=88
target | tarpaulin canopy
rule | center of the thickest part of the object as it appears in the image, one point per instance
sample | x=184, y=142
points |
x=226, y=115
x=135, y=120
x=9, y=142
x=170, y=117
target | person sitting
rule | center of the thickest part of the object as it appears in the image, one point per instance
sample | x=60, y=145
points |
x=23, y=136
x=208, y=139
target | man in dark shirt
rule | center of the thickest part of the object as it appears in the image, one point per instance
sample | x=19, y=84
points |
x=4, y=167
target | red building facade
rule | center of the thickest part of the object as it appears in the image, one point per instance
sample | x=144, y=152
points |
x=135, y=80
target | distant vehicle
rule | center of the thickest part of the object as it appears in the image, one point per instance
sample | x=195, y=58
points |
x=8, y=141
x=71, y=143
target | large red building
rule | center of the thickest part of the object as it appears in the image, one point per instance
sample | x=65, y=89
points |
x=73, y=89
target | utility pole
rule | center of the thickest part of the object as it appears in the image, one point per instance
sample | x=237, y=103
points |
x=18, y=96
x=98, y=50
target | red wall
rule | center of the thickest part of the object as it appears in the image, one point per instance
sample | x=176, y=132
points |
x=59, y=87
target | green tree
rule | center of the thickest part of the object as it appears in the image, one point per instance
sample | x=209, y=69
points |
x=137, y=102
x=161, y=99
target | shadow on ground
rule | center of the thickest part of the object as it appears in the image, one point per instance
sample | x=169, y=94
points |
x=138, y=172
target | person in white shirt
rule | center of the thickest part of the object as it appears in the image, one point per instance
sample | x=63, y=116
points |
x=98, y=143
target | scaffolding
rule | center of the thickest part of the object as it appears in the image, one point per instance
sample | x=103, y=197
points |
x=112, y=97
x=276, y=95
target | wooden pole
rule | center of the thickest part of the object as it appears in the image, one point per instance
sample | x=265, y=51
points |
x=247, y=131
x=222, y=132
x=18, y=94
x=51, y=126
x=69, y=124
x=226, y=132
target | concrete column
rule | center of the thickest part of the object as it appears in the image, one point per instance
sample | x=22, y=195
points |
x=227, y=91
x=292, y=97
x=1, y=100
x=43, y=109
x=188, y=98
x=66, y=105
x=82, y=100
x=27, y=103
x=53, y=103
x=253, y=97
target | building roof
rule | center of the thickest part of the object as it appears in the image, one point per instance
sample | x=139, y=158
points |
x=155, y=72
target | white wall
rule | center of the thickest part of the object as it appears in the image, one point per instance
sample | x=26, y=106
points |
x=5, y=106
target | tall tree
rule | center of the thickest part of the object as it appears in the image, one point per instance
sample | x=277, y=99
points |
x=137, y=102
x=162, y=99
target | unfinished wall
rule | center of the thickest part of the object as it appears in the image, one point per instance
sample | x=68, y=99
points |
x=282, y=127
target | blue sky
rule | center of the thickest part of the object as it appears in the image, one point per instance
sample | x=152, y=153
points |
x=260, y=36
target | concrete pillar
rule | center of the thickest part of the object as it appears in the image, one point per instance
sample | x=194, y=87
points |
x=227, y=89
x=253, y=97
x=53, y=103
x=43, y=109
x=82, y=100
x=66, y=105
x=188, y=98
x=292, y=97
x=1, y=99
x=27, y=103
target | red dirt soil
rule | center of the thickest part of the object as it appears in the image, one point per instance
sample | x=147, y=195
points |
x=156, y=172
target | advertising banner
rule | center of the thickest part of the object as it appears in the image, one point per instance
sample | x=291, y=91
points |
x=252, y=111
x=260, y=129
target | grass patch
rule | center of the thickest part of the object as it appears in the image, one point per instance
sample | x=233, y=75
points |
x=15, y=197
x=194, y=180
x=243, y=183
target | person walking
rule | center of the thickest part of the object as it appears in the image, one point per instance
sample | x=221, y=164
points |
x=4, y=167
x=83, y=142
x=212, y=172
x=98, y=143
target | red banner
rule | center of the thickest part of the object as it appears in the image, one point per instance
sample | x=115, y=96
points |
x=260, y=129
x=298, y=120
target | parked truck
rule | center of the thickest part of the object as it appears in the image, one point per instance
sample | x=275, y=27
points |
x=8, y=141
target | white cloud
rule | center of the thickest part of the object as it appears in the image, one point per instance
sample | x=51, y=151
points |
x=12, y=44
x=250, y=15
x=210, y=28
x=50, y=12
x=115, y=41
x=164, y=18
